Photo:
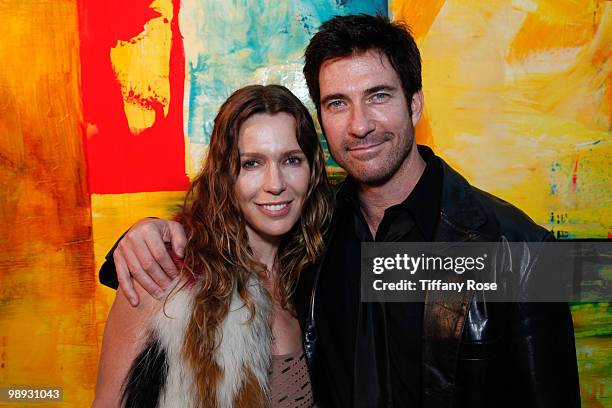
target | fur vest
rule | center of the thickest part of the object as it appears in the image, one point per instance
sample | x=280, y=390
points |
x=160, y=377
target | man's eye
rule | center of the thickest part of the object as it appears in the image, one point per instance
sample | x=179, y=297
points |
x=249, y=164
x=335, y=104
x=380, y=97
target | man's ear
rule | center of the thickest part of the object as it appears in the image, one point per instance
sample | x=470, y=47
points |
x=416, y=106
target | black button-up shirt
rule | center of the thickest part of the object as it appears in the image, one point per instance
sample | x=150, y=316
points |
x=370, y=353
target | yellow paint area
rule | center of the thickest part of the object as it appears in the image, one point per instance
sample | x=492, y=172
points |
x=112, y=215
x=516, y=88
x=142, y=68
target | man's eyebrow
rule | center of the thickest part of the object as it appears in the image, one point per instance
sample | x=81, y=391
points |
x=379, y=88
x=331, y=97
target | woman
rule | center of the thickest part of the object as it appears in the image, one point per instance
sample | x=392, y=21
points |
x=227, y=335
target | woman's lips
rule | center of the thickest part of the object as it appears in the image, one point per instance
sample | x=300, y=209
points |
x=275, y=209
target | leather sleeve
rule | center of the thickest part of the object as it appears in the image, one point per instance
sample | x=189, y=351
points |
x=519, y=354
x=108, y=273
x=529, y=360
x=544, y=355
x=542, y=347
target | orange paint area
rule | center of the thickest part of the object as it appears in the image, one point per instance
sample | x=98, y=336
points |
x=556, y=24
x=419, y=15
x=47, y=277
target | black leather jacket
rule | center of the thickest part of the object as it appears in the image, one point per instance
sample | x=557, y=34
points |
x=478, y=354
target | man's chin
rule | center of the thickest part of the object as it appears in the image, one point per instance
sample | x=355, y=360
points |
x=371, y=178
x=377, y=170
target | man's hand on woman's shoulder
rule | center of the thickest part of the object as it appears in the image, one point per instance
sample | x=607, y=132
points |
x=142, y=254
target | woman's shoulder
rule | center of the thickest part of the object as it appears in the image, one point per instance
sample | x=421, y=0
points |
x=125, y=335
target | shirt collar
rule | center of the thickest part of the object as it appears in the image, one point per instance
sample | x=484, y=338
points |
x=423, y=203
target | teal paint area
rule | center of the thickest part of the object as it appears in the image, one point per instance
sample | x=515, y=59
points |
x=232, y=44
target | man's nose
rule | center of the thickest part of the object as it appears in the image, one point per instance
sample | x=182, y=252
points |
x=274, y=182
x=361, y=124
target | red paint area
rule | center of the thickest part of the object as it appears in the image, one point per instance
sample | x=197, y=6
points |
x=574, y=176
x=119, y=161
x=155, y=103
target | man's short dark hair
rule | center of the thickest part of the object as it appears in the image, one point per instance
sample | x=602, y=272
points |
x=342, y=36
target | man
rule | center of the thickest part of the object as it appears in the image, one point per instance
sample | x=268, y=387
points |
x=364, y=76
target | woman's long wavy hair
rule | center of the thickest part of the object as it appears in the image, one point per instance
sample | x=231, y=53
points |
x=217, y=255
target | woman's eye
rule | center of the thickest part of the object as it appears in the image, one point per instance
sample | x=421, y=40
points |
x=249, y=164
x=293, y=160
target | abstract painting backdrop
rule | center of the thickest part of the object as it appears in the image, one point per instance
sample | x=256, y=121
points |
x=106, y=109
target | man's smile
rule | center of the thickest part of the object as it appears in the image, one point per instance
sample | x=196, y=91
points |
x=366, y=151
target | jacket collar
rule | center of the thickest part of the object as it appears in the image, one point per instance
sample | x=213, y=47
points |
x=458, y=203
x=459, y=206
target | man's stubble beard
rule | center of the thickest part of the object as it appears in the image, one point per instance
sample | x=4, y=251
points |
x=364, y=174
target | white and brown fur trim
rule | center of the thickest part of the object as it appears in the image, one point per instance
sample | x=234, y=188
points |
x=243, y=354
